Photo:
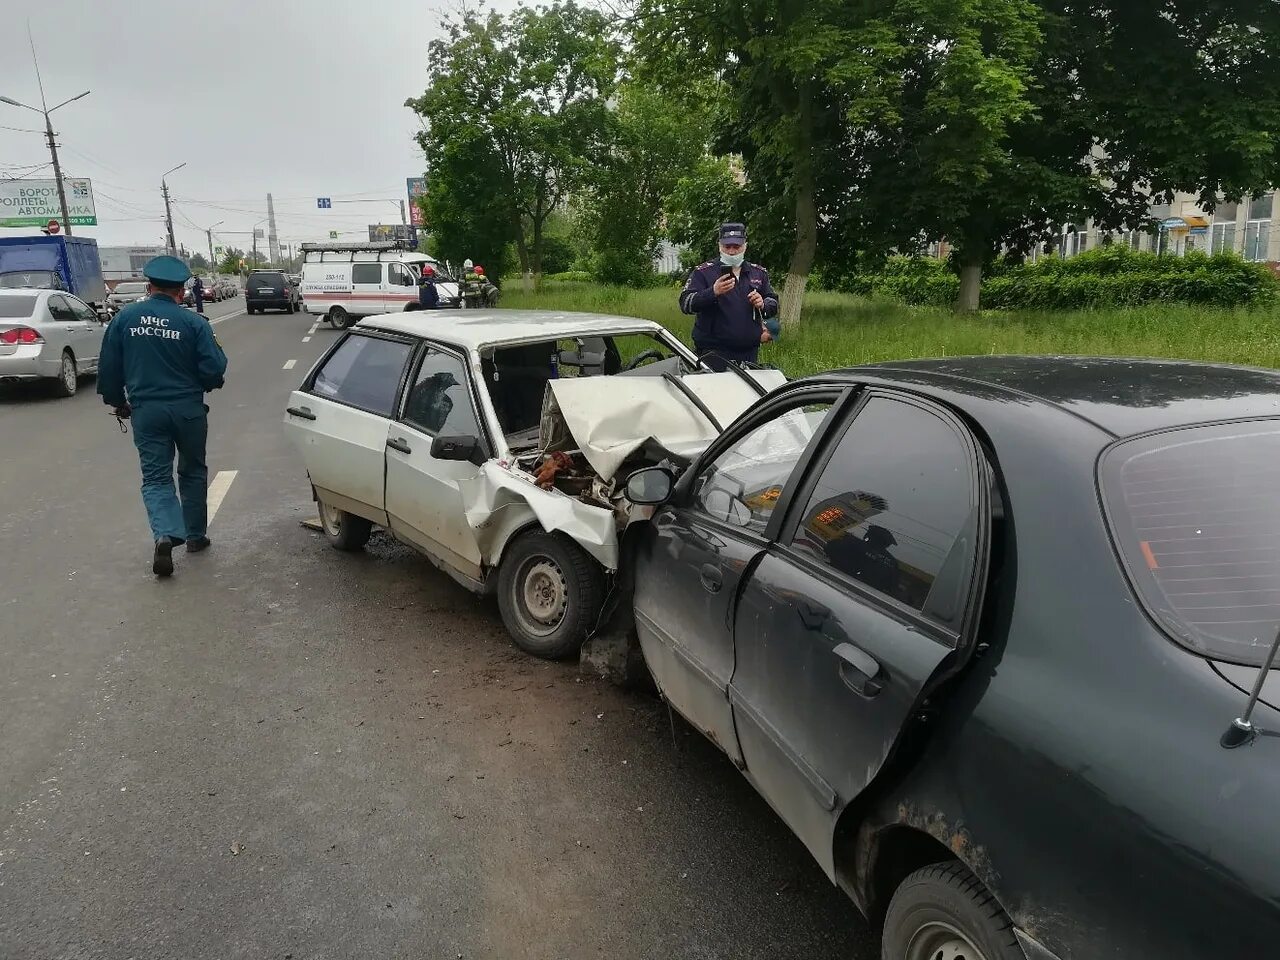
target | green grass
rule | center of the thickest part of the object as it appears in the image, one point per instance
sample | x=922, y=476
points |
x=839, y=330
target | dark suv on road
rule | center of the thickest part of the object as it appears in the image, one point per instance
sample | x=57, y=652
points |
x=270, y=290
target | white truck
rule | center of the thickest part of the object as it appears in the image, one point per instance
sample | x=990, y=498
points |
x=343, y=282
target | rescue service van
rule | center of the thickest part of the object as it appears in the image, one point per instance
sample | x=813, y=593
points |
x=343, y=282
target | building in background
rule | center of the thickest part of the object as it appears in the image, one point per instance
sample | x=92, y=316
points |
x=1250, y=229
x=121, y=263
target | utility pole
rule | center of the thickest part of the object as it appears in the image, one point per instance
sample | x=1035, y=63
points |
x=45, y=109
x=404, y=220
x=213, y=264
x=57, y=175
x=168, y=213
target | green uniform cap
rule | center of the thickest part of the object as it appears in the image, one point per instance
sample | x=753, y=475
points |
x=169, y=271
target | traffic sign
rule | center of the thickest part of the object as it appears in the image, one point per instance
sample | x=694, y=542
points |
x=333, y=234
x=54, y=226
x=324, y=203
x=217, y=251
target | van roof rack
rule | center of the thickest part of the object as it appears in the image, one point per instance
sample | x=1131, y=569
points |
x=342, y=247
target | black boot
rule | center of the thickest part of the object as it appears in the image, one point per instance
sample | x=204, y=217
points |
x=162, y=560
x=196, y=544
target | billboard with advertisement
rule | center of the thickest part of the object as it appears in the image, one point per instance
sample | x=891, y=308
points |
x=417, y=188
x=393, y=231
x=33, y=203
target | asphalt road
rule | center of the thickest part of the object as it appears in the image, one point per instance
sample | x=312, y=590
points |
x=289, y=752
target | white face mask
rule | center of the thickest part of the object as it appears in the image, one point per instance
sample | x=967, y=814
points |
x=732, y=259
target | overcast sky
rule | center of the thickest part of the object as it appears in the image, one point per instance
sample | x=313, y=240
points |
x=300, y=99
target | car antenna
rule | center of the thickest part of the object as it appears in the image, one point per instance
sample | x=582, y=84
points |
x=1242, y=730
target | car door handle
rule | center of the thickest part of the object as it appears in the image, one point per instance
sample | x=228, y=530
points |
x=857, y=669
x=711, y=576
x=396, y=443
x=303, y=412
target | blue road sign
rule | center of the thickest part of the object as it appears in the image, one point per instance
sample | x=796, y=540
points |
x=324, y=203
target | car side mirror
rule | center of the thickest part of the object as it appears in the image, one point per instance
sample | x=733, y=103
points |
x=650, y=486
x=465, y=448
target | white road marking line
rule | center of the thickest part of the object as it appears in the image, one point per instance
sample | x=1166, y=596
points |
x=218, y=488
x=306, y=339
x=238, y=313
x=314, y=326
x=288, y=364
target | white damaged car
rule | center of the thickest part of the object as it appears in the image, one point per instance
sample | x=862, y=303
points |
x=497, y=443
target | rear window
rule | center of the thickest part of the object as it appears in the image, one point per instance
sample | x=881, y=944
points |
x=42, y=279
x=274, y=280
x=1196, y=513
x=17, y=308
x=130, y=288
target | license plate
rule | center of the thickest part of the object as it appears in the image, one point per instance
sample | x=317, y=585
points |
x=265, y=290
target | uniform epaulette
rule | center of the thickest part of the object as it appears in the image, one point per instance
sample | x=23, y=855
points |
x=703, y=266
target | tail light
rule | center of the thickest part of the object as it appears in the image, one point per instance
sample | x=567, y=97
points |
x=20, y=335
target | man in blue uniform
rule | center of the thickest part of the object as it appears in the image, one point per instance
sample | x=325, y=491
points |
x=197, y=293
x=428, y=295
x=158, y=360
x=734, y=305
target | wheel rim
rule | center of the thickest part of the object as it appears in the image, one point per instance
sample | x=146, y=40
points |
x=330, y=519
x=542, y=596
x=68, y=372
x=941, y=941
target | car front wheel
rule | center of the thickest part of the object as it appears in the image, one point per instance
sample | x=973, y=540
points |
x=549, y=593
x=344, y=531
x=944, y=912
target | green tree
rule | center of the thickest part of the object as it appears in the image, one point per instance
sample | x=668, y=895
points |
x=198, y=262
x=703, y=197
x=653, y=140
x=230, y=262
x=530, y=91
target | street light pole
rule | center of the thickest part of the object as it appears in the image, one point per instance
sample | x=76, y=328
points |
x=213, y=266
x=53, y=152
x=168, y=213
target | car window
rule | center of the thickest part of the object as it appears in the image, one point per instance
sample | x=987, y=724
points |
x=366, y=273
x=398, y=275
x=439, y=401
x=895, y=509
x=81, y=309
x=273, y=280
x=364, y=372
x=1194, y=512
x=59, y=309
x=742, y=485
x=17, y=308
x=130, y=288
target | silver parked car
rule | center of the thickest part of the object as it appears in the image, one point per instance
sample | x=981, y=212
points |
x=48, y=335
x=127, y=292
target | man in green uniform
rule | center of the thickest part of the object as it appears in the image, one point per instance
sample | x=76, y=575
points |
x=158, y=360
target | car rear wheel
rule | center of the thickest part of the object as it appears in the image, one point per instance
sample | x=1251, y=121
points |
x=66, y=381
x=339, y=318
x=344, y=531
x=550, y=593
x=944, y=912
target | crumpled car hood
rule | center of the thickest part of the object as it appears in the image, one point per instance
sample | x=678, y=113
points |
x=609, y=418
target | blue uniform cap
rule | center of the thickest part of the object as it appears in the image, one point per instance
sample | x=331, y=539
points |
x=733, y=233
x=169, y=271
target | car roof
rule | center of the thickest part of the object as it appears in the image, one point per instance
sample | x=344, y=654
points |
x=26, y=291
x=1122, y=396
x=472, y=329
